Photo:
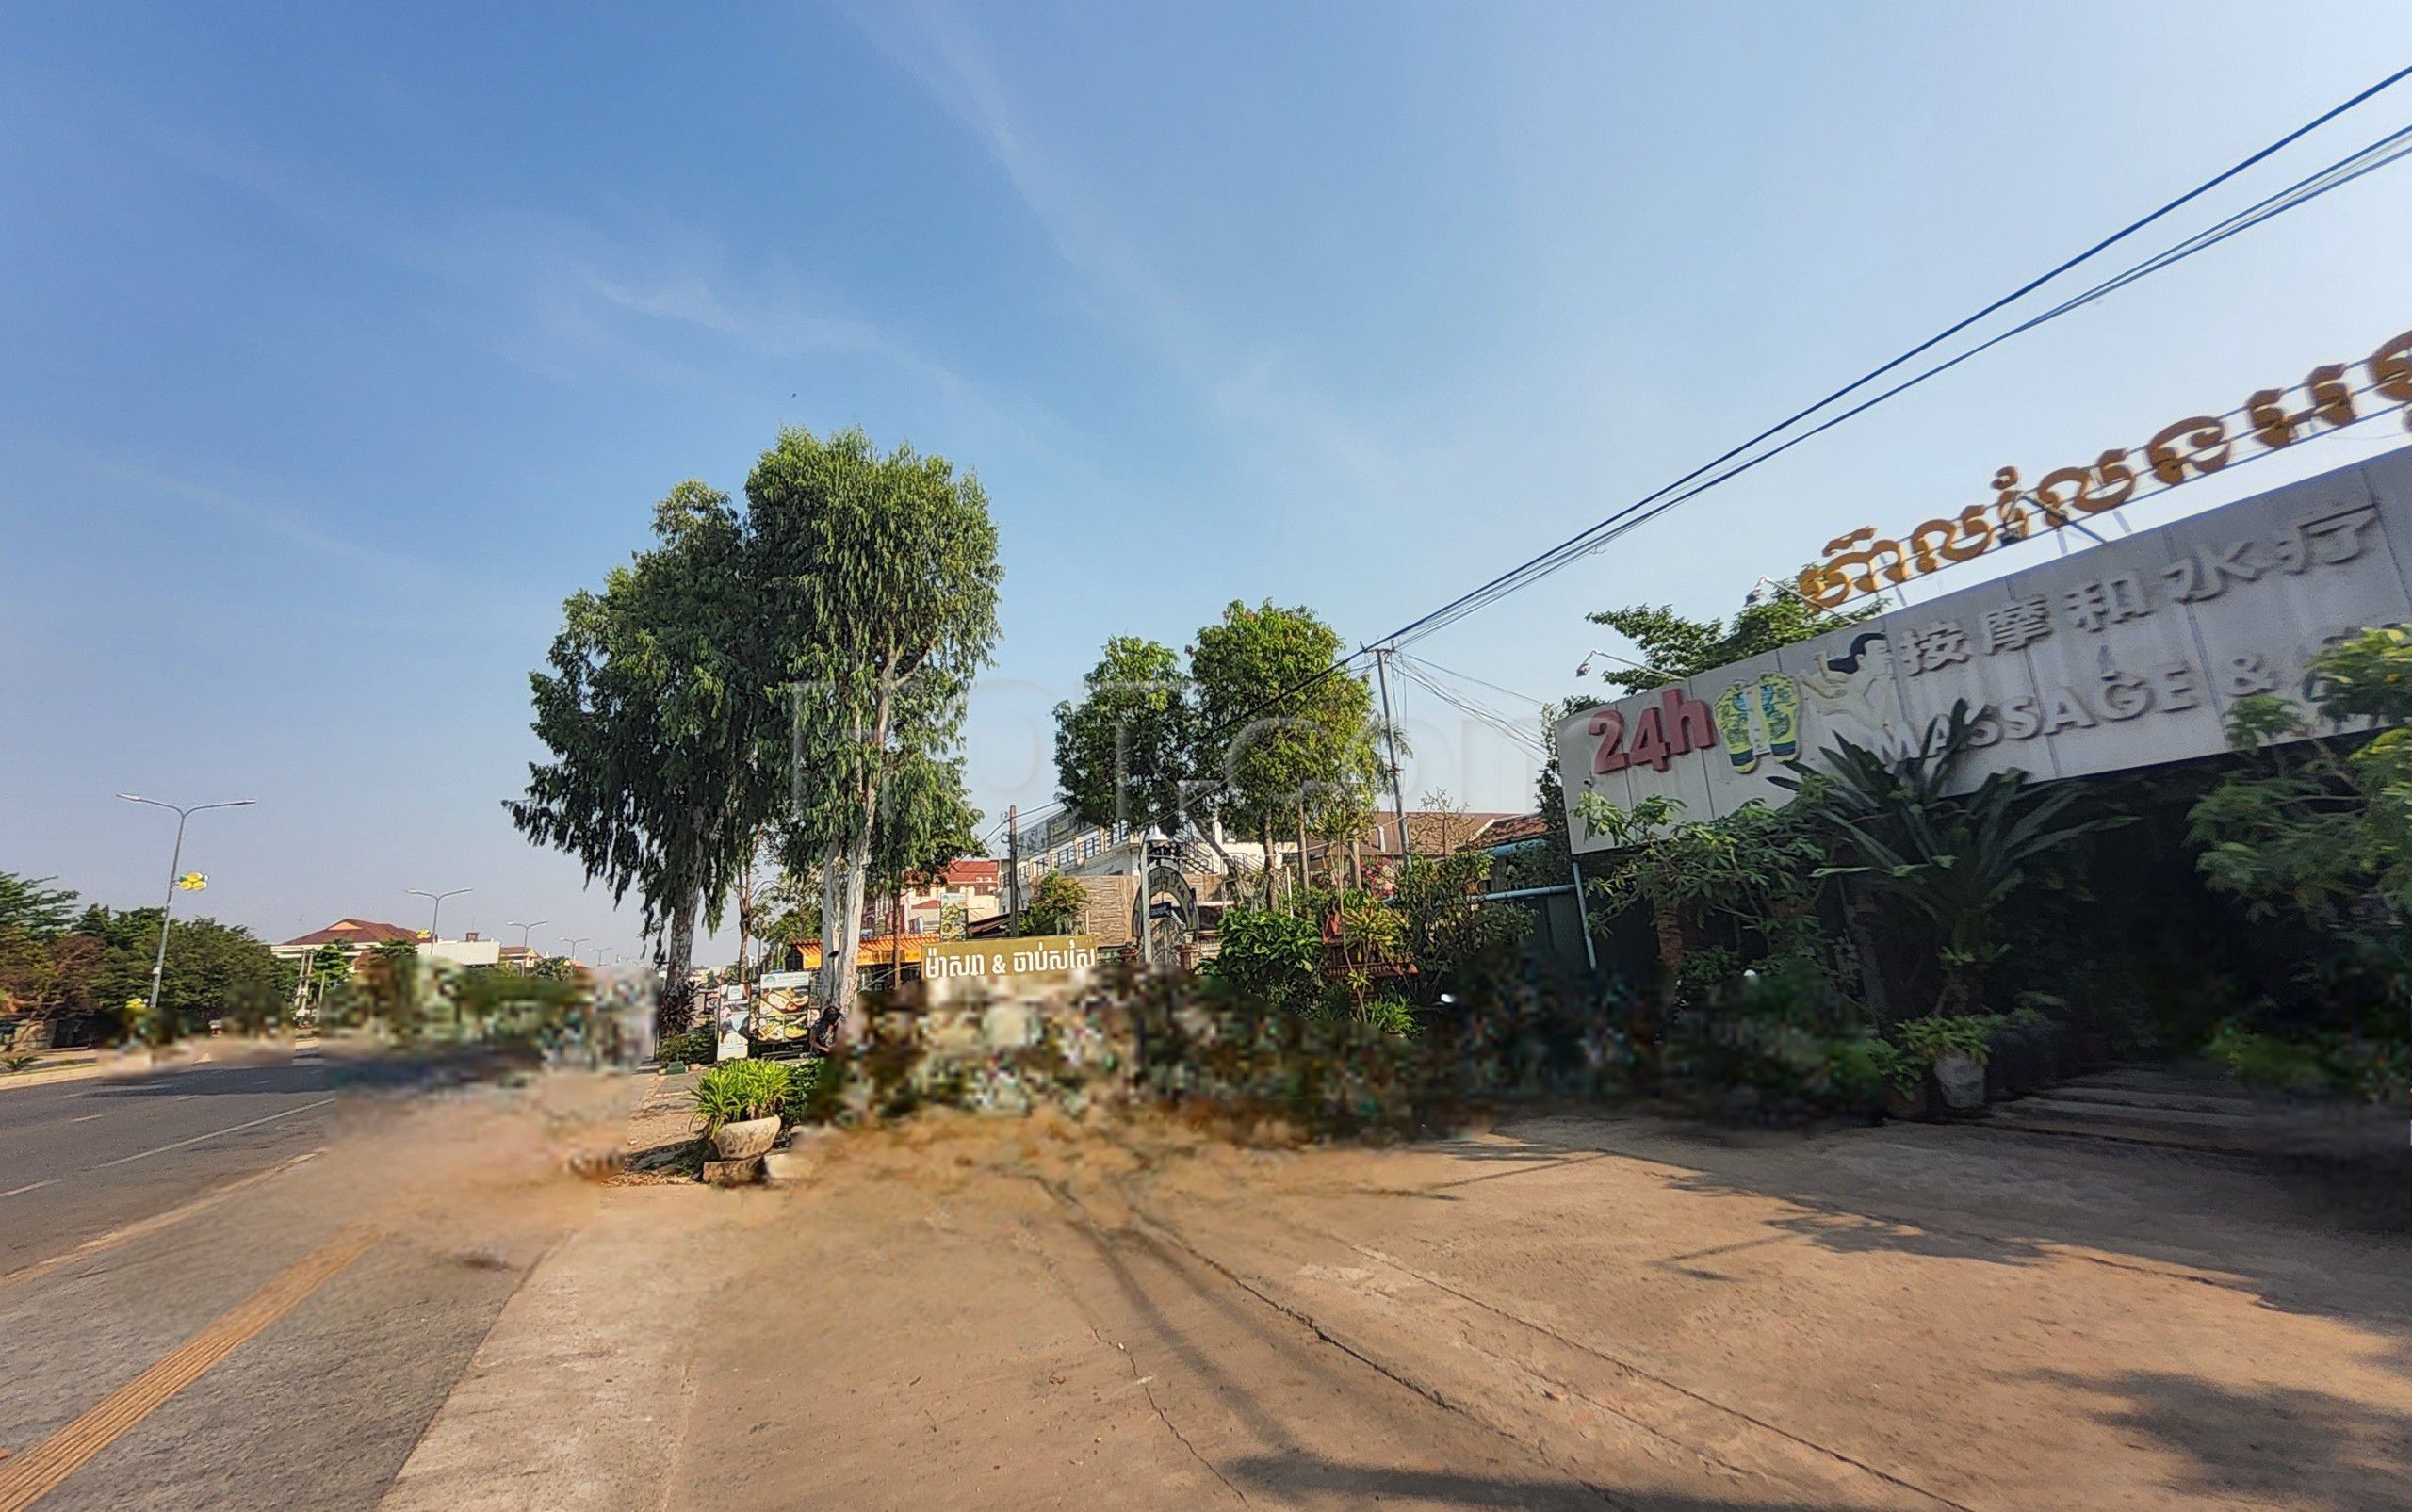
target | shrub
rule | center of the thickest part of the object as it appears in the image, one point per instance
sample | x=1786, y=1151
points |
x=1928, y=1040
x=1056, y=905
x=735, y=1091
x=1269, y=958
x=807, y=1102
x=1862, y=1070
x=2349, y=1065
x=1390, y=1014
x=697, y=1046
x=1458, y=944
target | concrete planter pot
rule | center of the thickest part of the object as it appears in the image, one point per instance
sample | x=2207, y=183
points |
x=1961, y=1080
x=744, y=1141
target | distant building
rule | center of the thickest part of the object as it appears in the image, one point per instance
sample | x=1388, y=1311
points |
x=975, y=885
x=358, y=937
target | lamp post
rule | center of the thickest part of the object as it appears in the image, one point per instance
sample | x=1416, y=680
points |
x=434, y=923
x=575, y=941
x=175, y=859
x=523, y=929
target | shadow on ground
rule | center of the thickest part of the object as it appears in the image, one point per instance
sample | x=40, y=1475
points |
x=2342, y=1455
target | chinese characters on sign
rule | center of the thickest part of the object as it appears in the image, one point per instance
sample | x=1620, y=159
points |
x=2125, y=655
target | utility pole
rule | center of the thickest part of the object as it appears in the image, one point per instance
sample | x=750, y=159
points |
x=175, y=859
x=434, y=930
x=1390, y=733
x=1012, y=868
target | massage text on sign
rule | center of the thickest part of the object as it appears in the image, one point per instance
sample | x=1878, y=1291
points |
x=2125, y=655
x=1040, y=955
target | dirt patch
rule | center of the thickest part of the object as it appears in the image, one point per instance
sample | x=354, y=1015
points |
x=1131, y=1312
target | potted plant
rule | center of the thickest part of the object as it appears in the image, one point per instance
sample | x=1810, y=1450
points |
x=740, y=1103
x=1956, y=1049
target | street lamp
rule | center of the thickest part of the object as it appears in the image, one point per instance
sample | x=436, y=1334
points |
x=575, y=941
x=434, y=930
x=175, y=859
x=523, y=929
x=1582, y=668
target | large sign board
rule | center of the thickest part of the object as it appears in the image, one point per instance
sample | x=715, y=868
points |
x=1039, y=955
x=2121, y=655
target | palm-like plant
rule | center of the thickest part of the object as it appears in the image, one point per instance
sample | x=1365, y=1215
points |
x=1952, y=858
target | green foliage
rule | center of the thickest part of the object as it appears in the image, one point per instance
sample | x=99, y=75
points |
x=1125, y=751
x=810, y=1101
x=1460, y=945
x=878, y=581
x=1955, y=860
x=1672, y=647
x=1056, y=904
x=799, y=664
x=214, y=971
x=736, y=1091
x=791, y=905
x=651, y=711
x=1867, y=1067
x=2319, y=833
x=29, y=906
x=1756, y=869
x=697, y=1047
x=1927, y=1040
x=2321, y=1062
x=1388, y=1013
x=1279, y=744
x=506, y=1005
x=1269, y=958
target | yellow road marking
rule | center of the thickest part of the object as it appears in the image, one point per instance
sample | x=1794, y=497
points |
x=27, y=1478
x=153, y=1224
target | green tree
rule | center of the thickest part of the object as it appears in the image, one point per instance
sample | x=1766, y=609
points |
x=1125, y=753
x=30, y=905
x=213, y=971
x=877, y=580
x=44, y=972
x=652, y=711
x=1281, y=737
x=2317, y=827
x=1056, y=905
x=330, y=969
x=1672, y=647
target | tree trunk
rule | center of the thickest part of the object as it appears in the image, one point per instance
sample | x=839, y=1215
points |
x=842, y=913
x=678, y=943
x=839, y=985
x=1272, y=867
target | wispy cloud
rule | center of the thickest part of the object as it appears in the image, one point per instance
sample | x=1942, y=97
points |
x=144, y=487
x=1250, y=386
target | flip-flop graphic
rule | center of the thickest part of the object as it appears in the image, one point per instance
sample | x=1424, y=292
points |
x=1734, y=726
x=1780, y=712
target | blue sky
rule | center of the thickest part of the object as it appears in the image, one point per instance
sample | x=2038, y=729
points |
x=337, y=345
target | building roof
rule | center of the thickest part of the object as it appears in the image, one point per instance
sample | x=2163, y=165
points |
x=1433, y=831
x=1510, y=831
x=356, y=932
x=972, y=871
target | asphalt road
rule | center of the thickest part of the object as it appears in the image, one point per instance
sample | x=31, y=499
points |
x=78, y=1159
x=207, y=1296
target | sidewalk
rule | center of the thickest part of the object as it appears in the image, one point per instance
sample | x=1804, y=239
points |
x=1014, y=1313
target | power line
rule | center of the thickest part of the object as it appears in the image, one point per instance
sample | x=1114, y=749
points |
x=1650, y=506
x=1579, y=542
